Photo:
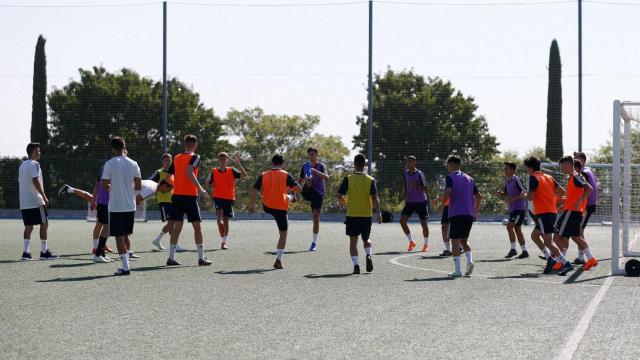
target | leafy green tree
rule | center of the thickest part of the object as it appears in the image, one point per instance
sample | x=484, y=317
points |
x=39, y=130
x=553, y=147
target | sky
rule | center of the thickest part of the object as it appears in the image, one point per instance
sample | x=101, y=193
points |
x=313, y=59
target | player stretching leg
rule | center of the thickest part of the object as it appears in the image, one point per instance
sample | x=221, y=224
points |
x=415, y=200
x=313, y=176
x=514, y=194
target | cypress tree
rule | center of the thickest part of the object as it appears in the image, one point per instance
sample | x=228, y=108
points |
x=39, y=130
x=553, y=149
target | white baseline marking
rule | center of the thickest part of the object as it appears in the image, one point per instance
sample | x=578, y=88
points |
x=572, y=344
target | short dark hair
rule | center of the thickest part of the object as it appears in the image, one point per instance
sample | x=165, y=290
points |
x=453, y=159
x=166, y=155
x=580, y=155
x=31, y=147
x=190, y=139
x=511, y=165
x=359, y=160
x=577, y=164
x=566, y=159
x=532, y=162
x=223, y=153
x=411, y=157
x=277, y=159
x=117, y=143
x=312, y=149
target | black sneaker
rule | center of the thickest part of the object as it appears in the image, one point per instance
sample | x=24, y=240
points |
x=446, y=253
x=550, y=262
x=26, y=256
x=204, y=262
x=356, y=269
x=133, y=256
x=578, y=261
x=171, y=262
x=523, y=255
x=542, y=257
x=511, y=254
x=566, y=268
x=47, y=255
x=63, y=190
x=369, y=263
x=122, y=272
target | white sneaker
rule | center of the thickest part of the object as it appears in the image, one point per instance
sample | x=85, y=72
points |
x=456, y=274
x=108, y=259
x=180, y=249
x=100, y=260
x=470, y=267
x=156, y=242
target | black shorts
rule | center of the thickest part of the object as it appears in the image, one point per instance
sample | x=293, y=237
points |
x=460, y=226
x=545, y=223
x=225, y=205
x=281, y=217
x=421, y=208
x=590, y=210
x=313, y=197
x=102, y=214
x=167, y=211
x=445, y=215
x=184, y=204
x=569, y=224
x=358, y=226
x=35, y=216
x=517, y=217
x=121, y=223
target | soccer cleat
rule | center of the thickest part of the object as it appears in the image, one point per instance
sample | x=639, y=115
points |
x=412, y=245
x=523, y=255
x=204, y=262
x=26, y=256
x=511, y=254
x=122, y=272
x=425, y=248
x=313, y=247
x=356, y=269
x=108, y=250
x=223, y=246
x=171, y=262
x=278, y=264
x=445, y=253
x=369, y=263
x=156, y=242
x=63, y=190
x=48, y=255
x=565, y=269
x=107, y=258
x=590, y=263
x=550, y=263
x=470, y=267
x=133, y=256
x=100, y=260
x=456, y=274
x=557, y=266
x=578, y=261
x=180, y=249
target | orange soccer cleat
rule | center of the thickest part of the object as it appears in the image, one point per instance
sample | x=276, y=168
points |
x=425, y=248
x=412, y=245
x=557, y=266
x=590, y=263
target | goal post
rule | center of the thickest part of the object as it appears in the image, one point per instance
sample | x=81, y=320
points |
x=625, y=201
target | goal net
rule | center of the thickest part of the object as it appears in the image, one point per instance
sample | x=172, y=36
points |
x=625, y=202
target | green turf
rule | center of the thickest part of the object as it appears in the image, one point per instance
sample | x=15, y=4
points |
x=313, y=309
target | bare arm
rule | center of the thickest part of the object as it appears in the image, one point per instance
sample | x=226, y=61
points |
x=192, y=177
x=40, y=190
x=243, y=172
x=446, y=195
x=252, y=199
x=478, y=199
x=376, y=206
x=324, y=176
x=137, y=184
x=106, y=184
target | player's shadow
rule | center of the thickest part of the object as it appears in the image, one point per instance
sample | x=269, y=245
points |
x=521, y=276
x=287, y=252
x=245, y=272
x=493, y=261
x=65, y=266
x=11, y=261
x=433, y=257
x=74, y=279
x=391, y=253
x=443, y=278
x=329, y=276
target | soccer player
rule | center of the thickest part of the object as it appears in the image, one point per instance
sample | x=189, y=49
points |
x=588, y=175
x=163, y=197
x=543, y=191
x=33, y=203
x=223, y=180
x=443, y=204
x=569, y=224
x=415, y=200
x=185, y=199
x=313, y=176
x=275, y=185
x=464, y=204
x=362, y=196
x=121, y=177
x=514, y=194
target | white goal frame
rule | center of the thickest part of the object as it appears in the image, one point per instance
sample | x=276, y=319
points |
x=621, y=215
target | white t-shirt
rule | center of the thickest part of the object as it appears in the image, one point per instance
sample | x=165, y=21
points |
x=148, y=188
x=121, y=171
x=30, y=198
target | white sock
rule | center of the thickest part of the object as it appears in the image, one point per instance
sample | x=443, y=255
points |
x=588, y=254
x=43, y=246
x=523, y=247
x=279, y=254
x=546, y=253
x=367, y=250
x=409, y=237
x=564, y=252
x=125, y=261
x=456, y=262
x=26, y=245
x=70, y=190
x=200, y=251
x=95, y=243
x=225, y=238
x=172, y=251
x=159, y=237
x=581, y=255
x=469, y=257
x=447, y=246
x=562, y=259
x=315, y=238
x=513, y=245
x=426, y=241
x=355, y=260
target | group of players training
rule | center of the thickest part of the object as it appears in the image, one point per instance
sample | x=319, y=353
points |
x=120, y=189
